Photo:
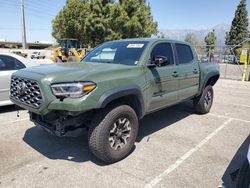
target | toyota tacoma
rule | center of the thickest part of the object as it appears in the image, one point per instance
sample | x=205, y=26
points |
x=114, y=86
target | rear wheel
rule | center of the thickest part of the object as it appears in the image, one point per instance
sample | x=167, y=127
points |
x=203, y=103
x=113, y=133
x=71, y=59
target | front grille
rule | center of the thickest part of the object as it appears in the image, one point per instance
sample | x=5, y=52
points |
x=26, y=92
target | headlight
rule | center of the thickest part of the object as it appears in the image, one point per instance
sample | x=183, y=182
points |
x=73, y=90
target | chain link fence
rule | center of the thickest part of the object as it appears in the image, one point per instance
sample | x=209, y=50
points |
x=229, y=62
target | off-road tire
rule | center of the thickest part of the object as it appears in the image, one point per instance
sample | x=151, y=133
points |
x=58, y=60
x=200, y=102
x=102, y=125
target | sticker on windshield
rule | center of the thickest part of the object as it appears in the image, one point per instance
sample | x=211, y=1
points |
x=135, y=45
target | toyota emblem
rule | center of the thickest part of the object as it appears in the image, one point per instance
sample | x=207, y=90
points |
x=21, y=88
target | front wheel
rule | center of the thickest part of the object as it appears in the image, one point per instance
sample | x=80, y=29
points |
x=113, y=133
x=58, y=60
x=203, y=103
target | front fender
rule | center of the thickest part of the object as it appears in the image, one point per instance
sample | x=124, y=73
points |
x=117, y=93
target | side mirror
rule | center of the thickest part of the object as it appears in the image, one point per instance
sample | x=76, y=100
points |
x=159, y=60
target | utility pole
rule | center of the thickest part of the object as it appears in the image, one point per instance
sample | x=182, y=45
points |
x=23, y=26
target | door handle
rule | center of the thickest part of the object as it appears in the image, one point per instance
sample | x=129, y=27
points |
x=175, y=74
x=195, y=71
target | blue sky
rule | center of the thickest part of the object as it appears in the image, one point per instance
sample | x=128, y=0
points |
x=170, y=14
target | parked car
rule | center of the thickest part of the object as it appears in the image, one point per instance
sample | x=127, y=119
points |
x=20, y=53
x=37, y=55
x=114, y=86
x=9, y=63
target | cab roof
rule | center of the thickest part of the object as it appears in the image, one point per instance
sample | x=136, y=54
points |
x=152, y=40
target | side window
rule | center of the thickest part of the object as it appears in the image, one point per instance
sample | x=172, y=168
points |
x=184, y=53
x=163, y=49
x=3, y=65
x=7, y=63
x=10, y=63
x=19, y=65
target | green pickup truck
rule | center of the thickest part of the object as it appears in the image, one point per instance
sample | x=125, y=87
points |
x=114, y=86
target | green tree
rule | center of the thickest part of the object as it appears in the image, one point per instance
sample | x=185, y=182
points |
x=239, y=28
x=190, y=38
x=139, y=21
x=98, y=22
x=198, y=45
x=95, y=21
x=210, y=41
x=71, y=21
x=161, y=35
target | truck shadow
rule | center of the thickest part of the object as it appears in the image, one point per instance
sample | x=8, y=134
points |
x=75, y=147
x=9, y=108
x=162, y=119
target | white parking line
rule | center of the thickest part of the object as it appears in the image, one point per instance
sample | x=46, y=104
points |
x=182, y=159
x=241, y=105
x=227, y=117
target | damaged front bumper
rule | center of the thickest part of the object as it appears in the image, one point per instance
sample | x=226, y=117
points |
x=59, y=124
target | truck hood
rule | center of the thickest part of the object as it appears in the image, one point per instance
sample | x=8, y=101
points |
x=67, y=72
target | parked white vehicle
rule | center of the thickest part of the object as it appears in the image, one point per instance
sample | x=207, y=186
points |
x=9, y=63
x=38, y=55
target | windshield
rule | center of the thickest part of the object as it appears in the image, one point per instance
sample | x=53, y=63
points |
x=123, y=52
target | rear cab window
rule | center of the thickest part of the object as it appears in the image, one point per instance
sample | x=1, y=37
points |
x=184, y=53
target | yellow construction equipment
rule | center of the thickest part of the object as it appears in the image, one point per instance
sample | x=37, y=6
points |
x=69, y=51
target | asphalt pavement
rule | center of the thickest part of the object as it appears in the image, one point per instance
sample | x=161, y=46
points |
x=175, y=148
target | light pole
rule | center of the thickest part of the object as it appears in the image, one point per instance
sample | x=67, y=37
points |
x=24, y=44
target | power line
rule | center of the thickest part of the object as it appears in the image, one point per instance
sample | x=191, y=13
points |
x=40, y=6
x=33, y=10
x=29, y=29
x=39, y=11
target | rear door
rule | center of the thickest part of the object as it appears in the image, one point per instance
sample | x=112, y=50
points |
x=188, y=72
x=163, y=83
x=8, y=65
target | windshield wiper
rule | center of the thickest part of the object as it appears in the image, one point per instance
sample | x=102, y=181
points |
x=98, y=62
x=107, y=62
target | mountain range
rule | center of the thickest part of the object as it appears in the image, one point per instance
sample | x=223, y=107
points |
x=180, y=34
